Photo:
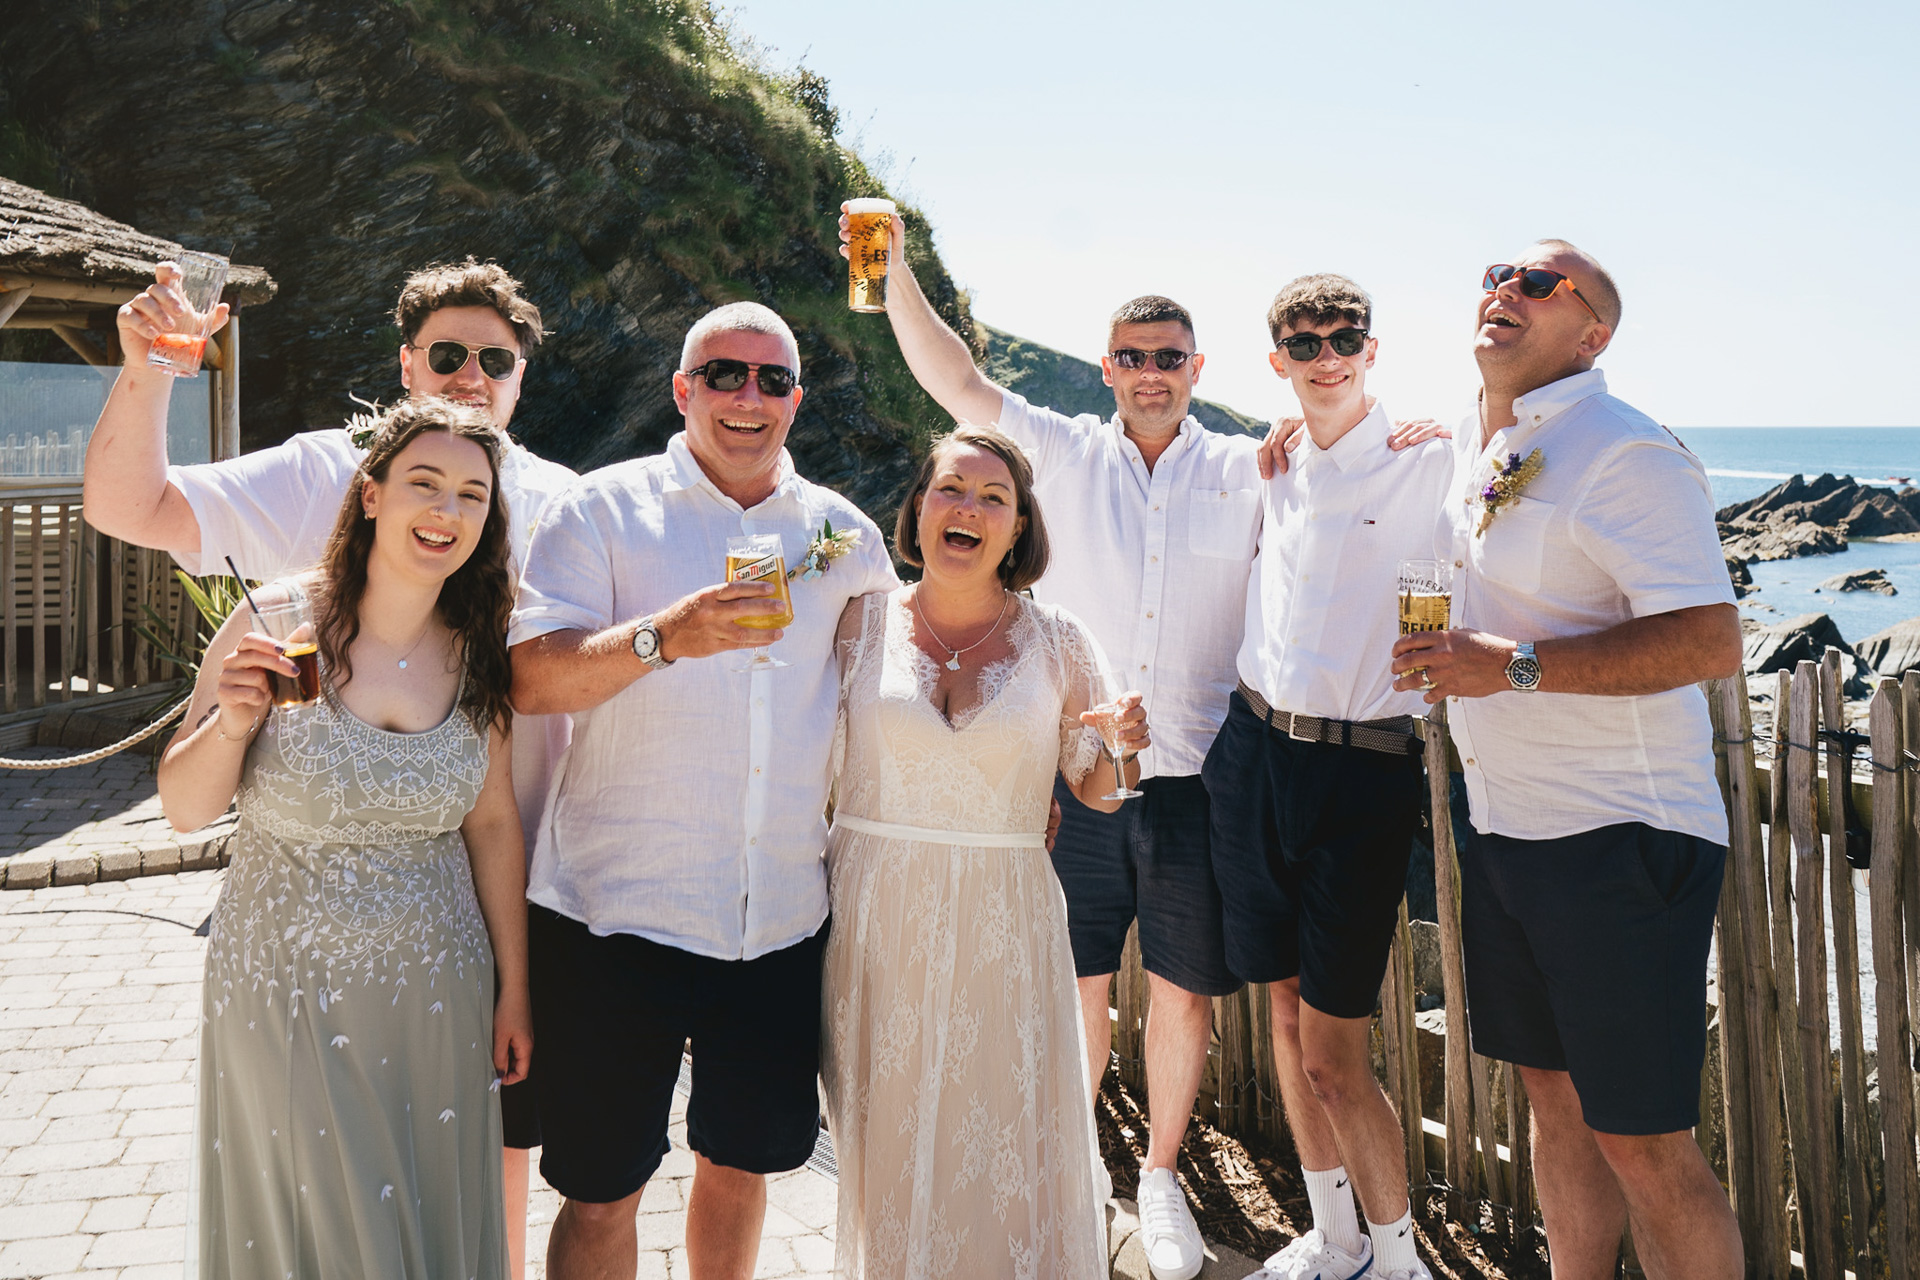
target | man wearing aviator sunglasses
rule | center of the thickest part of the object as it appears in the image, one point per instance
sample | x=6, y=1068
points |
x=1152, y=519
x=1590, y=598
x=464, y=330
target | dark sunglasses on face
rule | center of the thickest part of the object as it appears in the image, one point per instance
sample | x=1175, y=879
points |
x=447, y=357
x=1537, y=283
x=1306, y=346
x=731, y=375
x=1166, y=359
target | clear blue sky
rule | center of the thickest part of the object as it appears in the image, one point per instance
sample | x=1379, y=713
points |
x=1750, y=173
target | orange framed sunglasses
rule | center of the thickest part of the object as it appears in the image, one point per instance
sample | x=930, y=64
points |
x=1537, y=283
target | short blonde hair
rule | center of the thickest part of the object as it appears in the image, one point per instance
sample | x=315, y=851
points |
x=739, y=317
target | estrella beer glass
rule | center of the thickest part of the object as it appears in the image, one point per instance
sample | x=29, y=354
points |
x=869, y=246
x=1426, y=599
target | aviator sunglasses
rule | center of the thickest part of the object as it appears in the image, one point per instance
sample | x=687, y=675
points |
x=731, y=375
x=1306, y=346
x=448, y=357
x=1166, y=359
x=1537, y=283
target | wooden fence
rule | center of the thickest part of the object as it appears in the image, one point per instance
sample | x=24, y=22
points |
x=72, y=601
x=1811, y=1131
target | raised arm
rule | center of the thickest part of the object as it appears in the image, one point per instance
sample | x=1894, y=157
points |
x=124, y=492
x=939, y=360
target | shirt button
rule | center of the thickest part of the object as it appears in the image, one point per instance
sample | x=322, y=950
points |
x=1153, y=559
x=1469, y=759
x=756, y=770
x=1156, y=506
x=1143, y=666
x=759, y=702
x=1149, y=613
x=1459, y=564
x=753, y=839
x=1306, y=577
x=1223, y=493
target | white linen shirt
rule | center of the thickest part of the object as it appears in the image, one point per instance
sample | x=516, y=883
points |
x=1617, y=525
x=690, y=807
x=273, y=510
x=1323, y=609
x=1155, y=563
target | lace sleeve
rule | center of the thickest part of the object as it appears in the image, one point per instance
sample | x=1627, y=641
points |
x=1080, y=661
x=849, y=642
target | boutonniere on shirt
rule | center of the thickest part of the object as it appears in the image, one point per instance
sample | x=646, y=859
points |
x=1505, y=485
x=826, y=547
x=361, y=428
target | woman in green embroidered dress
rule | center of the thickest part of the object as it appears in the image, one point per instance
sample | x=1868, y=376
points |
x=353, y=1033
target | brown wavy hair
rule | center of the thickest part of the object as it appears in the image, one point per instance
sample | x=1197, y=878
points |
x=1027, y=560
x=475, y=600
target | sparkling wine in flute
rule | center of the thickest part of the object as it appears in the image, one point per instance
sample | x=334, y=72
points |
x=759, y=557
x=869, y=246
x=1105, y=692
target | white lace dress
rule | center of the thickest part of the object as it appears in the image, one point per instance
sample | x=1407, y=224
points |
x=952, y=1050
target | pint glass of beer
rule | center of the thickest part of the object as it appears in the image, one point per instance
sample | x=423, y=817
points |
x=290, y=625
x=758, y=557
x=869, y=246
x=1426, y=596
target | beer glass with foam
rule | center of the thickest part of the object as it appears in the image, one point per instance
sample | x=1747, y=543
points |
x=869, y=246
x=1426, y=597
x=758, y=557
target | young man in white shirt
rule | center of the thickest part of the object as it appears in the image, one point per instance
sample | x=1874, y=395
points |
x=1315, y=776
x=465, y=331
x=1153, y=521
x=678, y=888
x=1590, y=597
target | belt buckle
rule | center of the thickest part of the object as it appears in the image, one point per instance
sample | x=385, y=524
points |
x=1293, y=730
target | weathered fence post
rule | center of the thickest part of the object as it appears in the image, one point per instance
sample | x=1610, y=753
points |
x=1446, y=884
x=1893, y=851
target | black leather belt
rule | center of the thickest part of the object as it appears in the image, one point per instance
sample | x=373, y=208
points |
x=1395, y=735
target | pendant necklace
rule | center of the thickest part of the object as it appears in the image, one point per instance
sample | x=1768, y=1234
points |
x=953, y=655
x=416, y=643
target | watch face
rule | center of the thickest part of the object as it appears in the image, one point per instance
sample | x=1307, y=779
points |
x=646, y=643
x=1523, y=673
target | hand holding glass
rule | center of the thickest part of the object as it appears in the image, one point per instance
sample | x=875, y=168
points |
x=759, y=557
x=202, y=277
x=290, y=627
x=1109, y=710
x=1426, y=599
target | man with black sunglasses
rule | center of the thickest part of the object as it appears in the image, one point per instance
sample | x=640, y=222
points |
x=1153, y=520
x=1590, y=598
x=465, y=330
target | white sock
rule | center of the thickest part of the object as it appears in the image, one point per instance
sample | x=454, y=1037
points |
x=1393, y=1245
x=1332, y=1201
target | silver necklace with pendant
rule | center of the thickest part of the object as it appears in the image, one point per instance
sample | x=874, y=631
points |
x=953, y=655
x=416, y=644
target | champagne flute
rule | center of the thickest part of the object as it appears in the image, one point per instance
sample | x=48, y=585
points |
x=1104, y=689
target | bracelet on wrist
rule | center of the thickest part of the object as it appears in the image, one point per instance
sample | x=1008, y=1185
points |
x=224, y=736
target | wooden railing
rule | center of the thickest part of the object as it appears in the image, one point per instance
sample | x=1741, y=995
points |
x=73, y=600
x=1822, y=1170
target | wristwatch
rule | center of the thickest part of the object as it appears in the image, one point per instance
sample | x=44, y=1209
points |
x=1523, y=671
x=646, y=644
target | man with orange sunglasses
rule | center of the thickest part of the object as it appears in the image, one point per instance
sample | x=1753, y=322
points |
x=1590, y=598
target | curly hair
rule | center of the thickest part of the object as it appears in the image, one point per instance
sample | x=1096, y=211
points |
x=467, y=284
x=1028, y=559
x=475, y=600
x=1319, y=299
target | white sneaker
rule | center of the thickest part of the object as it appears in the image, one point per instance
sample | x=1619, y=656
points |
x=1314, y=1257
x=1419, y=1272
x=1168, y=1233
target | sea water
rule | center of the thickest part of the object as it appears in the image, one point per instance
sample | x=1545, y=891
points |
x=1745, y=462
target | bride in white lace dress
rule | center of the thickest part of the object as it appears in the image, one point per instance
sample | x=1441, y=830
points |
x=952, y=1052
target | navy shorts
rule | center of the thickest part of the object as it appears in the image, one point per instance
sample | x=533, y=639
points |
x=611, y=1016
x=1310, y=848
x=1588, y=954
x=1147, y=861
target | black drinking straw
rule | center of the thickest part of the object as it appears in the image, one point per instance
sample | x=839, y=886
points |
x=248, y=594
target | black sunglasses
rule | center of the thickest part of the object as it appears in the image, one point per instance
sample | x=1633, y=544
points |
x=1166, y=359
x=731, y=375
x=449, y=357
x=1306, y=346
x=1537, y=283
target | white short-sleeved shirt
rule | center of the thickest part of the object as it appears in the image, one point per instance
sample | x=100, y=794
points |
x=689, y=808
x=1155, y=563
x=1323, y=608
x=273, y=510
x=1617, y=525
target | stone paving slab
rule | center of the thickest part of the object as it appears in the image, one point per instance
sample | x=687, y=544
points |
x=94, y=822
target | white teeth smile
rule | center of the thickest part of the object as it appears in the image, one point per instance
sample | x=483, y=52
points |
x=955, y=531
x=433, y=539
x=750, y=427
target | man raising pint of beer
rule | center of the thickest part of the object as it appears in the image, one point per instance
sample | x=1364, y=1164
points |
x=1153, y=521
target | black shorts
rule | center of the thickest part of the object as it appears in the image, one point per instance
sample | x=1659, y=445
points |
x=611, y=1016
x=1148, y=861
x=1310, y=848
x=1588, y=954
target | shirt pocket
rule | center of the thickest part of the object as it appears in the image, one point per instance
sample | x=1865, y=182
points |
x=1515, y=543
x=1223, y=523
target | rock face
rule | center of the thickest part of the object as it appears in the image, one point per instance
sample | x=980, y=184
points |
x=1802, y=517
x=1895, y=651
x=1748, y=542
x=1863, y=580
x=625, y=161
x=1739, y=575
x=1780, y=646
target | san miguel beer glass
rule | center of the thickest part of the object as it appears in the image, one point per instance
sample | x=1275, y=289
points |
x=869, y=246
x=202, y=276
x=1426, y=598
x=758, y=557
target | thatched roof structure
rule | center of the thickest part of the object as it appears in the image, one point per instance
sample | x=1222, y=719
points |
x=45, y=238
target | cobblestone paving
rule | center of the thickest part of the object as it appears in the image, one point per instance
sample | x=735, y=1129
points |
x=99, y=821
x=99, y=1009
